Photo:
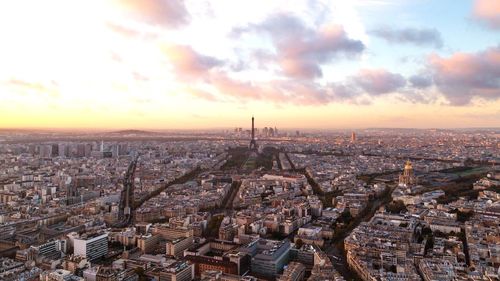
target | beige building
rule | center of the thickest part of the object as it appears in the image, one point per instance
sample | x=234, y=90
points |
x=147, y=243
x=176, y=247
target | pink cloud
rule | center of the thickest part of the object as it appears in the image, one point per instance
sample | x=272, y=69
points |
x=196, y=69
x=463, y=76
x=169, y=13
x=488, y=11
x=302, y=56
x=128, y=31
x=299, y=68
x=297, y=92
x=379, y=81
x=198, y=93
x=188, y=63
x=240, y=89
x=300, y=50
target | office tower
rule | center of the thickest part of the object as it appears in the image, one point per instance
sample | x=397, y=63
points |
x=353, y=137
x=54, y=150
x=88, y=149
x=46, y=151
x=115, y=150
x=80, y=150
x=271, y=132
x=123, y=150
x=71, y=193
x=92, y=246
x=63, y=150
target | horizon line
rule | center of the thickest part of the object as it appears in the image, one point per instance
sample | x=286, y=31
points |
x=157, y=130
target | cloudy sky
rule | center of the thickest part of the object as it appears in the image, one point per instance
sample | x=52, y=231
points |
x=163, y=64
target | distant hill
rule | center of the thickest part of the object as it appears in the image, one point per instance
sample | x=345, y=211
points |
x=133, y=132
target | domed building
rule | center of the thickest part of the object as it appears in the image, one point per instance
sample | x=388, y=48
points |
x=408, y=177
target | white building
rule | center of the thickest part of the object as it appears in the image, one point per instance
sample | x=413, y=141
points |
x=92, y=247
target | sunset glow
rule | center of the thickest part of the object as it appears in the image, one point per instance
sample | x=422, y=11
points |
x=169, y=64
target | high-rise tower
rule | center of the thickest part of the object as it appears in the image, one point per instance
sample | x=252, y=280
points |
x=253, y=143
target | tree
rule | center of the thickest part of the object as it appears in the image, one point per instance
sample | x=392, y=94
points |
x=345, y=217
x=213, y=226
x=464, y=216
x=426, y=231
x=299, y=243
x=468, y=162
x=396, y=207
x=140, y=272
x=429, y=244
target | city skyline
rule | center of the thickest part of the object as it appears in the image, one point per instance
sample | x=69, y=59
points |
x=236, y=140
x=158, y=65
x=379, y=205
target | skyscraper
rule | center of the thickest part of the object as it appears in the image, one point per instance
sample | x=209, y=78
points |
x=353, y=137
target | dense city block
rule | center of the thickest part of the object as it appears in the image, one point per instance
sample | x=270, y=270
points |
x=253, y=204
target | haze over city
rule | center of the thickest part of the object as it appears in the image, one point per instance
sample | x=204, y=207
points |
x=194, y=64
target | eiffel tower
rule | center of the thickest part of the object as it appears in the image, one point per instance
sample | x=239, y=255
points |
x=253, y=143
